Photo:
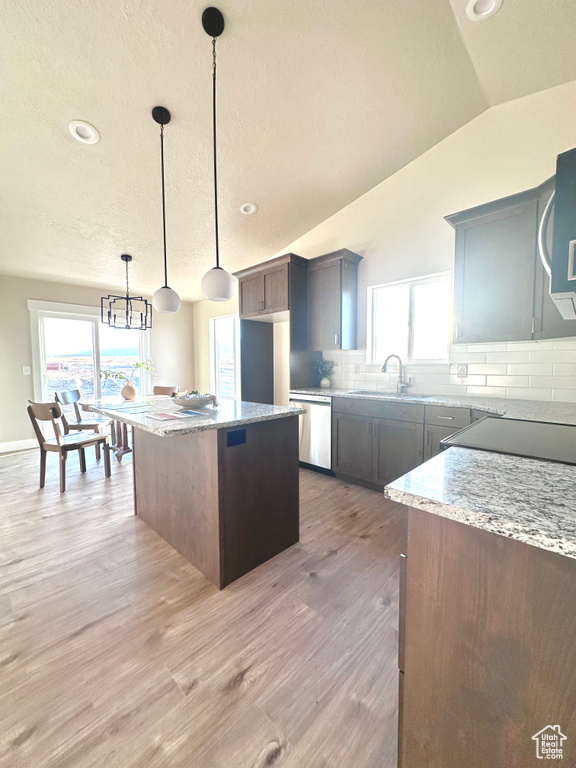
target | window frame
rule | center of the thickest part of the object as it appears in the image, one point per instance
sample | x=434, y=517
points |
x=213, y=357
x=41, y=309
x=410, y=282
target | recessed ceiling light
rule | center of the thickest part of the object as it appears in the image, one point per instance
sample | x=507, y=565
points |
x=248, y=209
x=478, y=10
x=84, y=132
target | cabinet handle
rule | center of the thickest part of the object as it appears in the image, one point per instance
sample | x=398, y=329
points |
x=336, y=339
x=447, y=418
x=427, y=443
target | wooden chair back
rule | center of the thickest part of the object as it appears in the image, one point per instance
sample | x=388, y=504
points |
x=165, y=390
x=70, y=397
x=46, y=412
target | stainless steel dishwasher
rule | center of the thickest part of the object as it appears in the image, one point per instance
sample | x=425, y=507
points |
x=315, y=429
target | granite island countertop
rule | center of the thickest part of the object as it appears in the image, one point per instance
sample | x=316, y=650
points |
x=527, y=410
x=529, y=500
x=157, y=414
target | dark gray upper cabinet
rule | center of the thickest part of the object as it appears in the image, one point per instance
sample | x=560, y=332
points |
x=501, y=292
x=333, y=299
x=270, y=287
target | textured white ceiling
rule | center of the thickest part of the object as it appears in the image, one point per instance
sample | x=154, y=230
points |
x=319, y=100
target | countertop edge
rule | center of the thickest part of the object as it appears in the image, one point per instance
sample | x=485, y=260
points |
x=187, y=430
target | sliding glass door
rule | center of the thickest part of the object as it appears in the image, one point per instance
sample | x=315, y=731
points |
x=73, y=349
x=69, y=359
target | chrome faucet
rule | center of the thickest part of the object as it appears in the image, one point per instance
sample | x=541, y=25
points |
x=402, y=385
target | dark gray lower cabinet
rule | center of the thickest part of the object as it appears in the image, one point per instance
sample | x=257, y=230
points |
x=352, y=452
x=397, y=449
x=377, y=441
x=432, y=437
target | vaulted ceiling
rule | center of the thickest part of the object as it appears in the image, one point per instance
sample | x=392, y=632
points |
x=319, y=100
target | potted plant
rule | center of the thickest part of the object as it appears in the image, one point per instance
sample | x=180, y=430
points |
x=325, y=368
x=128, y=391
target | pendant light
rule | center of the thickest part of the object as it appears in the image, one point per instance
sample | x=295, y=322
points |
x=126, y=312
x=165, y=299
x=217, y=284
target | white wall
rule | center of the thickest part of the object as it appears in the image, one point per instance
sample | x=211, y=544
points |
x=171, y=339
x=399, y=229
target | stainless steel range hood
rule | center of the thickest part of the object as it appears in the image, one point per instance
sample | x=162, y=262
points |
x=560, y=219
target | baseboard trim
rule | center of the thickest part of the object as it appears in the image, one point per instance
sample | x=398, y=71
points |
x=18, y=445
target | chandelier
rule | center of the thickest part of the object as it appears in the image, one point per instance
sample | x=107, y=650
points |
x=126, y=311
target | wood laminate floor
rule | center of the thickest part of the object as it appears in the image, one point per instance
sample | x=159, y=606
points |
x=116, y=653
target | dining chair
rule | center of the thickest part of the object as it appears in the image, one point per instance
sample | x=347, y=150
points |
x=63, y=443
x=165, y=390
x=72, y=397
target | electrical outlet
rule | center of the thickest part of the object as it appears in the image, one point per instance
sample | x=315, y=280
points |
x=357, y=368
x=462, y=371
x=25, y=370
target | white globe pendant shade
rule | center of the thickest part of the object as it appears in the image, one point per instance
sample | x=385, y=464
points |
x=166, y=300
x=218, y=285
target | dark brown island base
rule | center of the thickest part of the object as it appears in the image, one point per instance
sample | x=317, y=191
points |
x=220, y=487
x=487, y=633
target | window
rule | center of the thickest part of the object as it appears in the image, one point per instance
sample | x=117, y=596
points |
x=71, y=346
x=410, y=318
x=225, y=356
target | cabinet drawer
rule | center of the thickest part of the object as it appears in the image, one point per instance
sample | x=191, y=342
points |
x=380, y=409
x=444, y=416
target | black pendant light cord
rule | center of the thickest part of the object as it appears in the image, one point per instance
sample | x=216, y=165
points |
x=163, y=205
x=127, y=287
x=214, y=142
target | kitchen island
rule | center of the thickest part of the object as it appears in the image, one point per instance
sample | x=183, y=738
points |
x=221, y=485
x=486, y=648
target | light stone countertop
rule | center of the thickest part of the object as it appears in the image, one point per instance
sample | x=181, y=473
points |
x=529, y=500
x=231, y=413
x=527, y=410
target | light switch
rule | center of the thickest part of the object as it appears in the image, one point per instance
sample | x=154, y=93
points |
x=25, y=370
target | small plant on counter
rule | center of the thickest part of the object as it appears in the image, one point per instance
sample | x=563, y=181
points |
x=325, y=368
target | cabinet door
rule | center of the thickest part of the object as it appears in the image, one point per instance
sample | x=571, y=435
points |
x=251, y=296
x=432, y=437
x=325, y=311
x=398, y=448
x=275, y=289
x=494, y=275
x=352, y=452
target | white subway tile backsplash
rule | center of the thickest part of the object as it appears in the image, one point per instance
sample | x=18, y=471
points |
x=467, y=357
x=529, y=346
x=531, y=369
x=554, y=356
x=554, y=382
x=507, y=381
x=487, y=391
x=564, y=369
x=539, y=370
x=565, y=343
x=496, y=347
x=564, y=395
x=508, y=357
x=494, y=369
x=530, y=393
x=479, y=381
